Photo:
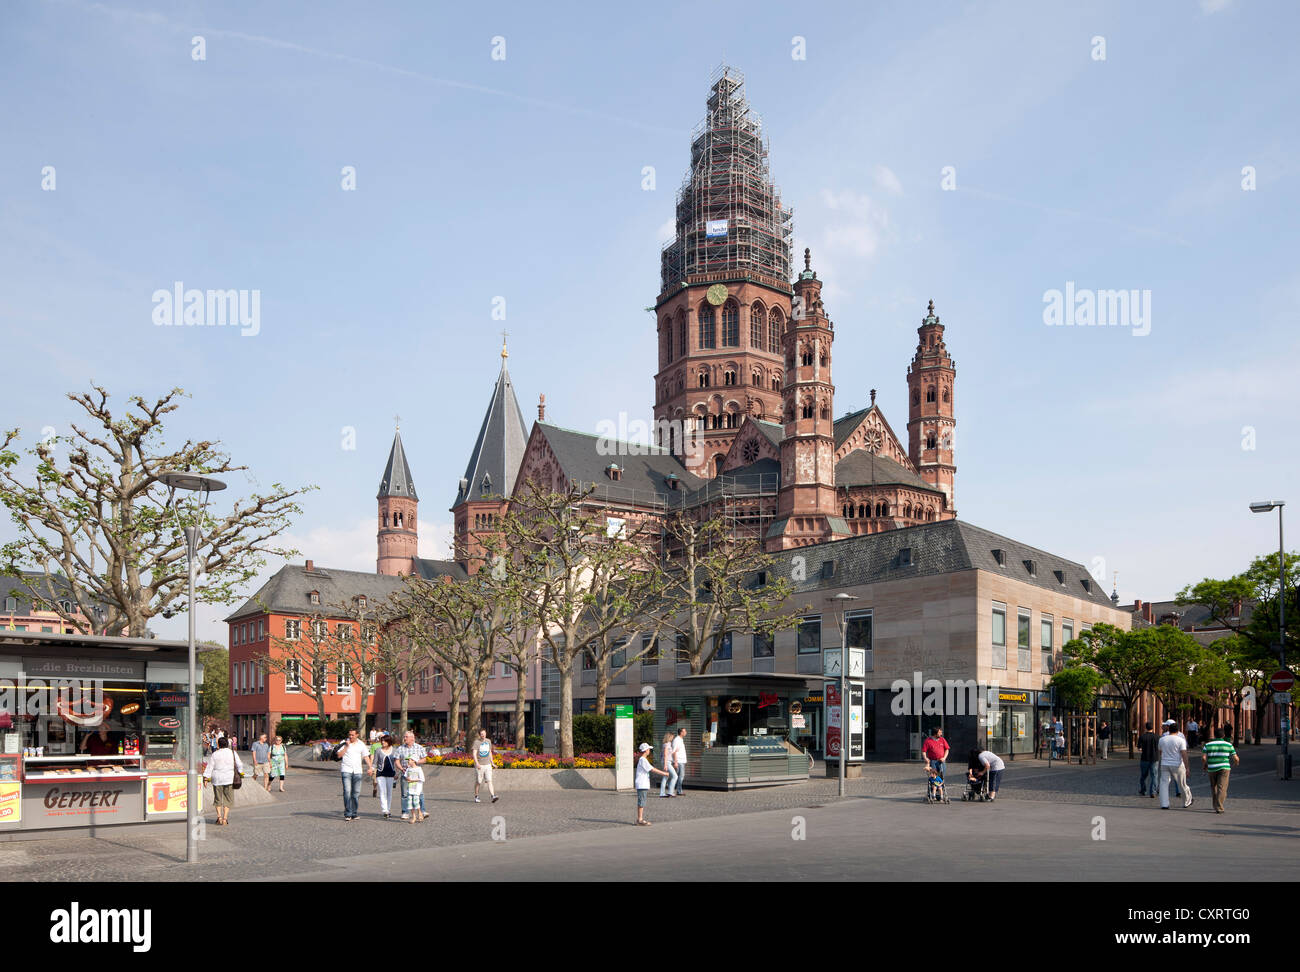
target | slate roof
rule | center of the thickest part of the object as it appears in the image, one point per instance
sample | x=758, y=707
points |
x=288, y=589
x=499, y=449
x=645, y=469
x=397, y=479
x=429, y=569
x=861, y=468
x=774, y=431
x=1189, y=615
x=941, y=547
x=845, y=425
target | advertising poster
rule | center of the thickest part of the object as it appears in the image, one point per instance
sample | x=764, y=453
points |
x=11, y=807
x=166, y=794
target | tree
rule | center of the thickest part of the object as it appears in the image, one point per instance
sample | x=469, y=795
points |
x=354, y=651
x=1132, y=662
x=1076, y=686
x=302, y=656
x=718, y=584
x=399, y=659
x=98, y=517
x=214, y=697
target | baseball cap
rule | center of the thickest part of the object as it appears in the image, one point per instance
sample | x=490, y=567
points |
x=643, y=747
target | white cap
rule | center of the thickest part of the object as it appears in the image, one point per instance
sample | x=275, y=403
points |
x=643, y=747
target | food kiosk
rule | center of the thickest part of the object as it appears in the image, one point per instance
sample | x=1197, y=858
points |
x=738, y=727
x=92, y=731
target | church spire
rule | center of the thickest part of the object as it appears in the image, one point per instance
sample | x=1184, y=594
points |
x=398, y=529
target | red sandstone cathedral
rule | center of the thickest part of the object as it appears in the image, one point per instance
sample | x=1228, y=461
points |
x=744, y=399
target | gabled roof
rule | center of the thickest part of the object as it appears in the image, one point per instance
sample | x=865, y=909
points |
x=861, y=468
x=644, y=469
x=499, y=449
x=429, y=569
x=846, y=424
x=774, y=431
x=288, y=589
x=397, y=480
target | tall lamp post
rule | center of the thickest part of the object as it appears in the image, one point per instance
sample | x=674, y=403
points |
x=1267, y=507
x=840, y=600
x=204, y=486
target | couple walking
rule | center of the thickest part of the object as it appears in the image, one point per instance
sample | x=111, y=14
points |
x=674, y=756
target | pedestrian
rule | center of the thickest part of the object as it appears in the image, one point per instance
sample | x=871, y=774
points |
x=385, y=773
x=483, y=753
x=262, y=760
x=1173, y=767
x=994, y=766
x=220, y=772
x=935, y=750
x=354, y=761
x=679, y=761
x=669, y=781
x=374, y=749
x=410, y=752
x=643, y=771
x=1058, y=732
x=1103, y=739
x=1149, y=765
x=413, y=801
x=1193, y=733
x=279, y=760
x=1218, y=756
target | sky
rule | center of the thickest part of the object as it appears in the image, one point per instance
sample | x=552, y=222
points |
x=983, y=155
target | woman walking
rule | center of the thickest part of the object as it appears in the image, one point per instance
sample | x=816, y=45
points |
x=220, y=772
x=279, y=760
x=669, y=782
x=385, y=773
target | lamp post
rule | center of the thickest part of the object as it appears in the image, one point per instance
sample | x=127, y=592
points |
x=204, y=486
x=839, y=601
x=1267, y=507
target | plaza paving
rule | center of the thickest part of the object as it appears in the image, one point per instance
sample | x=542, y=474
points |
x=1041, y=828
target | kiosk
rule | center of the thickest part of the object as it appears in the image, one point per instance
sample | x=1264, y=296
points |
x=92, y=731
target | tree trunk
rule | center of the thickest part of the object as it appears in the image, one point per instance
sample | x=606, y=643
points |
x=521, y=693
x=602, y=683
x=475, y=689
x=363, y=707
x=320, y=706
x=566, y=712
x=453, y=715
x=406, y=709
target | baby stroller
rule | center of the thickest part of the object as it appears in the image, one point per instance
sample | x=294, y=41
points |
x=934, y=789
x=977, y=787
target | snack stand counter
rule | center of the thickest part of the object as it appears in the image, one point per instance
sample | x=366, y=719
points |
x=92, y=731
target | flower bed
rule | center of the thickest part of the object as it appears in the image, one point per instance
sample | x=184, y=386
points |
x=511, y=759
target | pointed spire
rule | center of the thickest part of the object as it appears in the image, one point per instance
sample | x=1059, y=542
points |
x=504, y=353
x=397, y=480
x=499, y=448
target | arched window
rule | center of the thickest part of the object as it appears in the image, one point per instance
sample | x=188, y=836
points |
x=733, y=420
x=864, y=510
x=945, y=395
x=756, y=377
x=730, y=324
x=929, y=440
x=826, y=358
x=718, y=460
x=776, y=383
x=806, y=356
x=774, y=322
x=825, y=411
x=929, y=393
x=681, y=333
x=807, y=409
x=756, y=320
x=728, y=377
x=844, y=511
x=704, y=379
x=885, y=510
x=385, y=519
x=668, y=339
x=707, y=335
x=907, y=510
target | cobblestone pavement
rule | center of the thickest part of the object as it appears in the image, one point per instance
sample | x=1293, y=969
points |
x=303, y=827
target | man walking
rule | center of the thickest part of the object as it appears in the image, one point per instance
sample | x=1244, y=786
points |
x=1149, y=766
x=1103, y=740
x=679, y=761
x=1173, y=767
x=410, y=752
x=1193, y=734
x=262, y=760
x=354, y=760
x=1218, y=756
x=483, y=765
x=935, y=750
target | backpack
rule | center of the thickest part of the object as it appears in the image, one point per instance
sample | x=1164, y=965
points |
x=336, y=753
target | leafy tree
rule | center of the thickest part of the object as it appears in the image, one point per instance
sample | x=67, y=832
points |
x=92, y=510
x=1076, y=686
x=214, y=698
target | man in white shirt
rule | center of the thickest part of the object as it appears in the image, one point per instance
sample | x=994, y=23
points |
x=354, y=761
x=483, y=765
x=1173, y=766
x=679, y=760
x=993, y=767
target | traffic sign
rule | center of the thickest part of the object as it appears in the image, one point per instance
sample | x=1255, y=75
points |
x=1282, y=681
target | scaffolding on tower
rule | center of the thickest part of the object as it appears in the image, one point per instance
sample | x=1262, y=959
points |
x=730, y=219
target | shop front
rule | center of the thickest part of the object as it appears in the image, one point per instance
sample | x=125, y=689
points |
x=1111, y=709
x=92, y=731
x=742, y=730
x=1011, y=728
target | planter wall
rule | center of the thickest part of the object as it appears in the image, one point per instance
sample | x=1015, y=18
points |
x=505, y=780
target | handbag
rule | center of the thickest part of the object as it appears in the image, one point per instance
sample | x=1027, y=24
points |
x=238, y=780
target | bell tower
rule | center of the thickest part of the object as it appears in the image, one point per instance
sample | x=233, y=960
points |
x=931, y=421
x=398, y=534
x=806, y=507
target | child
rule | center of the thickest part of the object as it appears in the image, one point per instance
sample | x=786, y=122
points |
x=643, y=771
x=414, y=787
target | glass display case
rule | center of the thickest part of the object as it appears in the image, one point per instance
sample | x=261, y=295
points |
x=73, y=768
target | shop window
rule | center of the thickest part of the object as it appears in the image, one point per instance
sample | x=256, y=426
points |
x=810, y=635
x=1022, y=640
x=999, y=635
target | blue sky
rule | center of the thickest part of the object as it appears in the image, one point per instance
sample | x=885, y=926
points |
x=522, y=178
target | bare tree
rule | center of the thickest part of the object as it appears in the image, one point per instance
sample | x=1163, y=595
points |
x=302, y=656
x=98, y=518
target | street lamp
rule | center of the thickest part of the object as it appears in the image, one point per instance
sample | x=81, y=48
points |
x=204, y=486
x=1267, y=507
x=839, y=600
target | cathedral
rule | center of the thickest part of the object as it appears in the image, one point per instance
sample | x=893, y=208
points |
x=743, y=394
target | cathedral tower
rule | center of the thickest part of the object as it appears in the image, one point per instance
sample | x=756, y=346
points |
x=725, y=295
x=807, y=511
x=931, y=425
x=398, y=530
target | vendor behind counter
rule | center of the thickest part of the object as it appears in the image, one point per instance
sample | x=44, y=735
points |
x=99, y=743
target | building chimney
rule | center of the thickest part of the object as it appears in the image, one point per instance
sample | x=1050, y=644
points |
x=541, y=408
x=309, y=566
x=1137, y=605
x=1148, y=613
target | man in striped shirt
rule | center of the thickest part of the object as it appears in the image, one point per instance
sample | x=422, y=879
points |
x=1218, y=756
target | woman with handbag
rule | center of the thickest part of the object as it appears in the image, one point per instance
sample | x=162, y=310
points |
x=279, y=760
x=385, y=771
x=224, y=771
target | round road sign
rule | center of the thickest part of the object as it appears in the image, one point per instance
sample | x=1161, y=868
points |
x=1282, y=681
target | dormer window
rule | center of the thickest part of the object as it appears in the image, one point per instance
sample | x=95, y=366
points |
x=614, y=472
x=760, y=579
x=1032, y=568
x=314, y=597
x=905, y=557
x=487, y=483
x=672, y=481
x=361, y=602
x=1087, y=585
x=828, y=569
x=1000, y=556
x=1060, y=577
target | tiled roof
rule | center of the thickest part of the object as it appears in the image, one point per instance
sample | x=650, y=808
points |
x=644, y=469
x=397, y=480
x=861, y=468
x=499, y=448
x=287, y=592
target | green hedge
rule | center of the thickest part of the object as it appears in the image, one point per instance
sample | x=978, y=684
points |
x=302, y=732
x=595, y=733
